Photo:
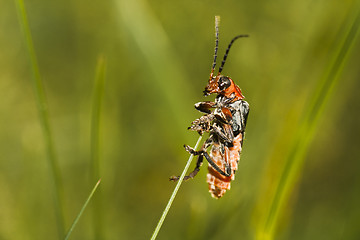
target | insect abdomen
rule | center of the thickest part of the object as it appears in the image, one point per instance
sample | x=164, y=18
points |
x=219, y=184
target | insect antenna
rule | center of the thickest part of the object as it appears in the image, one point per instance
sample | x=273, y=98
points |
x=227, y=51
x=217, y=23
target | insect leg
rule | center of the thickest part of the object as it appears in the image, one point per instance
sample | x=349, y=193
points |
x=199, y=162
x=193, y=173
x=204, y=106
x=227, y=172
x=197, y=168
x=223, y=115
x=203, y=152
x=202, y=124
x=205, y=146
x=227, y=136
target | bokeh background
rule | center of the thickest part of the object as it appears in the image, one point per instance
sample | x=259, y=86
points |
x=158, y=55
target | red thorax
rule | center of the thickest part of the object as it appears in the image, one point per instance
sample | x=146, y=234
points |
x=232, y=91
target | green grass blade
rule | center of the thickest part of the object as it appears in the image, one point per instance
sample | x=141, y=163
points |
x=95, y=140
x=148, y=33
x=307, y=129
x=82, y=210
x=173, y=195
x=42, y=106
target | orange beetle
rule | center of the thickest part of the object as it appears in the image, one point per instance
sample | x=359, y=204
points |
x=225, y=120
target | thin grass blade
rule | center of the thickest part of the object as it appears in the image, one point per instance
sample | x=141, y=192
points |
x=148, y=33
x=95, y=141
x=307, y=129
x=173, y=195
x=82, y=210
x=42, y=107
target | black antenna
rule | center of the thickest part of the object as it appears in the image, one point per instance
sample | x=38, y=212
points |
x=227, y=51
x=217, y=23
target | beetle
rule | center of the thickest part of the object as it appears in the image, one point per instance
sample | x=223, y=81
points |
x=225, y=121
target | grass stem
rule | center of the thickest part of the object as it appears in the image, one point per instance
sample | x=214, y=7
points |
x=308, y=127
x=168, y=206
x=95, y=141
x=42, y=107
x=82, y=210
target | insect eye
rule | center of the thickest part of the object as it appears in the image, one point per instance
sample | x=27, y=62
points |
x=224, y=82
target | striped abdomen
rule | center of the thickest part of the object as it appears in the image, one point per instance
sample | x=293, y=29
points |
x=218, y=184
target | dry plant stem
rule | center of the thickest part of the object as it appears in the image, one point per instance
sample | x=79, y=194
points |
x=167, y=208
x=82, y=210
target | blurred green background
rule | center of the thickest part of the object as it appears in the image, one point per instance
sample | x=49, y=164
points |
x=158, y=57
